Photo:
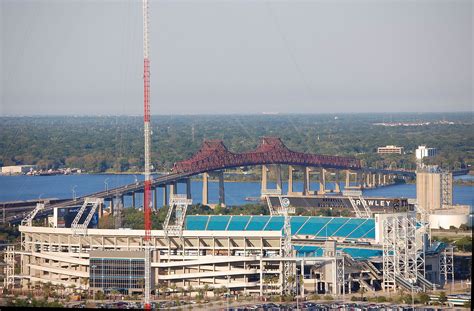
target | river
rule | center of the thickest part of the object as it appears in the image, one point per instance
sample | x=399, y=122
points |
x=18, y=188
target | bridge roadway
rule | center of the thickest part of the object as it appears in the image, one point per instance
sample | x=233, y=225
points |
x=411, y=174
x=106, y=195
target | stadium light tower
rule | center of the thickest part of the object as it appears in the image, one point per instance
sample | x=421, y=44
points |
x=147, y=173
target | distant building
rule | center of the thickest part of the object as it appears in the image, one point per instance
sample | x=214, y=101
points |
x=423, y=152
x=17, y=169
x=434, y=195
x=390, y=149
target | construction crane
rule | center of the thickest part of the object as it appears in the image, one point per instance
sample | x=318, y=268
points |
x=147, y=173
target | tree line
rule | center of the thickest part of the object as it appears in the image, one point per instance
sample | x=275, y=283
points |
x=100, y=144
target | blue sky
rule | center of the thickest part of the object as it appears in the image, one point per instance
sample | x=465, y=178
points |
x=85, y=57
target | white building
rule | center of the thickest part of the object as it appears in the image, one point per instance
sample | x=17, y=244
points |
x=451, y=216
x=423, y=152
x=390, y=149
x=17, y=169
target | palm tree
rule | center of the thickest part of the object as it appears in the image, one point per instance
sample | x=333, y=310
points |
x=206, y=288
x=141, y=283
x=47, y=289
x=301, y=284
x=182, y=291
x=362, y=291
x=201, y=292
x=173, y=289
x=190, y=289
x=114, y=293
x=271, y=281
x=28, y=284
x=164, y=289
x=55, y=288
x=216, y=291
x=84, y=285
x=266, y=281
x=291, y=280
x=223, y=289
x=157, y=290
x=62, y=288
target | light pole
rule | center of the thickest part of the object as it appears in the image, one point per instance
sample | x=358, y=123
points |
x=93, y=276
x=297, y=287
x=228, y=291
x=74, y=192
x=106, y=185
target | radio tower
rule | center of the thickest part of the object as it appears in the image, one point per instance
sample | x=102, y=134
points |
x=147, y=133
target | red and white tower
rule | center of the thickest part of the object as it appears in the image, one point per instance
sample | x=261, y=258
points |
x=147, y=173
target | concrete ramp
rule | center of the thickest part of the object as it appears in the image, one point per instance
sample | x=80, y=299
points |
x=366, y=285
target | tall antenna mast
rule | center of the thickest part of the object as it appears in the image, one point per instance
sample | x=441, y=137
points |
x=147, y=133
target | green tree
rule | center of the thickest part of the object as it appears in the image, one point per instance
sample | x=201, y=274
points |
x=190, y=289
x=442, y=297
x=99, y=295
x=362, y=292
x=423, y=298
x=173, y=288
x=206, y=289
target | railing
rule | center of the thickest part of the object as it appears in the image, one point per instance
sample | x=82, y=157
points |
x=407, y=285
x=423, y=281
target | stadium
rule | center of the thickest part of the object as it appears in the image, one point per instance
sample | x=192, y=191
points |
x=385, y=245
x=244, y=254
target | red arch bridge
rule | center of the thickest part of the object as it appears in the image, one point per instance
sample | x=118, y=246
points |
x=213, y=158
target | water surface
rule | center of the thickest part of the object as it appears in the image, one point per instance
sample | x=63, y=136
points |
x=18, y=188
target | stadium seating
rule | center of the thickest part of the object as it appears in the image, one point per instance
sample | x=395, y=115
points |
x=355, y=253
x=321, y=227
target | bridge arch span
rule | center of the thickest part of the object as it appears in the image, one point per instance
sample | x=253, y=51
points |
x=214, y=155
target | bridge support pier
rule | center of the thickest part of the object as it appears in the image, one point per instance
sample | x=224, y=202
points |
x=322, y=181
x=348, y=179
x=111, y=206
x=100, y=213
x=308, y=171
x=291, y=169
x=358, y=180
x=279, y=183
x=165, y=195
x=306, y=180
x=264, y=182
x=155, y=199
x=221, y=189
x=188, y=188
x=173, y=191
x=361, y=180
x=133, y=200
x=337, y=188
x=205, y=189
